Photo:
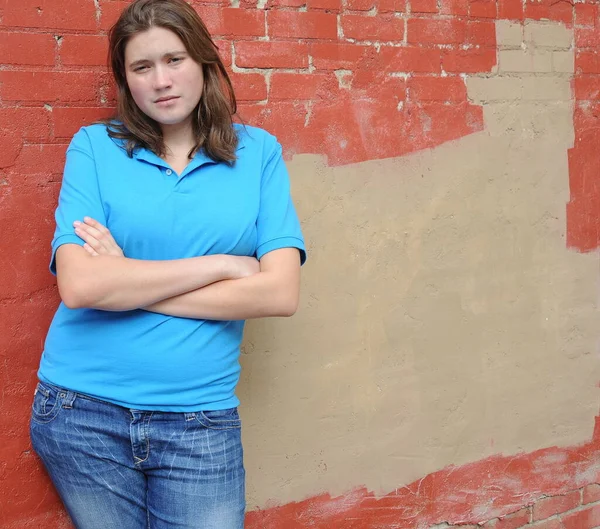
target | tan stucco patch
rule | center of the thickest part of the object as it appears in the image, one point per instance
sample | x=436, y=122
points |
x=443, y=319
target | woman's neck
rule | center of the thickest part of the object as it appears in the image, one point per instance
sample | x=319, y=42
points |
x=178, y=138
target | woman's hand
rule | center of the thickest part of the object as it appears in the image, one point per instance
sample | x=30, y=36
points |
x=98, y=239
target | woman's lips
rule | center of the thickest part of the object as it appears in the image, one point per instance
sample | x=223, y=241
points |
x=165, y=102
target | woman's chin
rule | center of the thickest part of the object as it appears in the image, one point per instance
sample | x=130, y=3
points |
x=171, y=121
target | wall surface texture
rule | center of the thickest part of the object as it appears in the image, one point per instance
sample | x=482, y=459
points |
x=443, y=367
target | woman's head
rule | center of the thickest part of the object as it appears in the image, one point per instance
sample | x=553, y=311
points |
x=168, y=72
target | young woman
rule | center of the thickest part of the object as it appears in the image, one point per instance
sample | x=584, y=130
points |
x=173, y=226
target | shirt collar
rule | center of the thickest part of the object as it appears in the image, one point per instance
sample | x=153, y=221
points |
x=199, y=159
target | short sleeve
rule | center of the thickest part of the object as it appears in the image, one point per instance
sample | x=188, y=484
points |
x=277, y=225
x=79, y=194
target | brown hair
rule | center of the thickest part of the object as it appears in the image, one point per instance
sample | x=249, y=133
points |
x=213, y=129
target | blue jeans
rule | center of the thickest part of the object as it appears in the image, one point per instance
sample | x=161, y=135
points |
x=117, y=468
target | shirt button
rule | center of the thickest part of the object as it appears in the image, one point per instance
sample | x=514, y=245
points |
x=169, y=172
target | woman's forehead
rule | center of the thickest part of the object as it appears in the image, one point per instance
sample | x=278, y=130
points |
x=153, y=44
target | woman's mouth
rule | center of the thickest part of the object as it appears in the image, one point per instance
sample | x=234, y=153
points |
x=166, y=101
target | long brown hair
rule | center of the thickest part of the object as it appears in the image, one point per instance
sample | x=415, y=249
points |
x=213, y=127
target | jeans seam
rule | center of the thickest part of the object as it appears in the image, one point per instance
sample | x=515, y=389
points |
x=146, y=432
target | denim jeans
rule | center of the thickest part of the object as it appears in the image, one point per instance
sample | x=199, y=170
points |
x=117, y=468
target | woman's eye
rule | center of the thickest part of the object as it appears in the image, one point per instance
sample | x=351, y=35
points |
x=139, y=68
x=177, y=59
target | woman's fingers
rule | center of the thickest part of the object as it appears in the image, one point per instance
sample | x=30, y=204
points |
x=106, y=234
x=90, y=250
x=90, y=235
x=89, y=221
x=94, y=244
x=86, y=228
x=98, y=237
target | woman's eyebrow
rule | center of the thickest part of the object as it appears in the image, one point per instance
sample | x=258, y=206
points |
x=166, y=55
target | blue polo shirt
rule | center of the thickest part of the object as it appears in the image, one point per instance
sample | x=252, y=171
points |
x=140, y=359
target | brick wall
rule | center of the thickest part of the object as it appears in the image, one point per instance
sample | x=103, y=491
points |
x=354, y=80
x=578, y=509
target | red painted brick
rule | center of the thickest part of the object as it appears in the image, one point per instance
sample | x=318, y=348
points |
x=49, y=86
x=587, y=117
x=591, y=493
x=426, y=31
x=379, y=28
x=469, y=61
x=587, y=38
x=552, y=523
x=436, y=89
x=511, y=521
x=18, y=124
x=547, y=507
x=360, y=5
x=584, y=519
x=47, y=159
x=330, y=5
x=67, y=121
x=243, y=4
x=587, y=87
x=286, y=120
x=423, y=6
x=337, y=55
x=249, y=86
x=586, y=14
x=311, y=25
x=297, y=86
x=27, y=49
x=244, y=22
x=82, y=50
x=411, y=59
x=213, y=18
x=483, y=8
x=110, y=94
x=550, y=10
x=587, y=62
x=481, y=33
x=50, y=14
x=110, y=11
x=510, y=9
x=454, y=7
x=24, y=278
x=285, y=3
x=391, y=6
x=377, y=86
x=224, y=47
x=26, y=123
x=253, y=54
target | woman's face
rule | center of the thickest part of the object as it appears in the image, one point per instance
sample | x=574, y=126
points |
x=165, y=82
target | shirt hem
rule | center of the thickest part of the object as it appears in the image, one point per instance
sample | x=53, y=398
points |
x=230, y=402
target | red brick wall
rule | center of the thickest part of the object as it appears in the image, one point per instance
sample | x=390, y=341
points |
x=351, y=79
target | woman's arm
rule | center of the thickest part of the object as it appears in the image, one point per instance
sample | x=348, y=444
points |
x=111, y=282
x=274, y=291
x=247, y=292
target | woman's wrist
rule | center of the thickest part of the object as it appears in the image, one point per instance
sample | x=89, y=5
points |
x=226, y=265
x=234, y=266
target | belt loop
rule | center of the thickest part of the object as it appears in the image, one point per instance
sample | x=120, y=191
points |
x=69, y=399
x=190, y=416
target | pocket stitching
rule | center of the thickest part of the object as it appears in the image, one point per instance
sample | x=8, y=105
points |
x=44, y=418
x=224, y=424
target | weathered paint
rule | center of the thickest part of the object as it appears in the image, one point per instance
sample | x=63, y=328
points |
x=474, y=493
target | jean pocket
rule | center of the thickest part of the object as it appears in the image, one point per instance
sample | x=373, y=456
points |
x=220, y=419
x=47, y=402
